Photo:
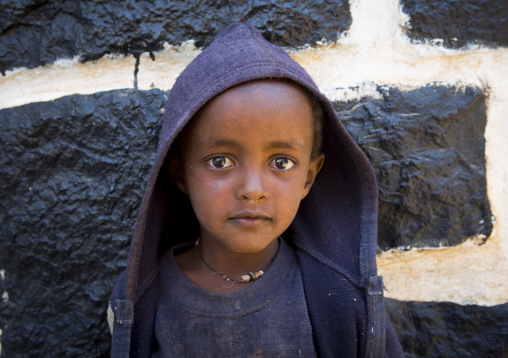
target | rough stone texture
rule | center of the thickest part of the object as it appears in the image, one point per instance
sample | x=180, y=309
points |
x=37, y=32
x=72, y=174
x=458, y=22
x=427, y=147
x=444, y=329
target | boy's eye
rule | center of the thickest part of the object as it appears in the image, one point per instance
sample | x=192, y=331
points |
x=282, y=163
x=220, y=162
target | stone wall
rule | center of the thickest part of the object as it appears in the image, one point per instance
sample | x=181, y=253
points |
x=419, y=84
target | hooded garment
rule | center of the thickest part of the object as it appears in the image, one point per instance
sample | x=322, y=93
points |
x=334, y=232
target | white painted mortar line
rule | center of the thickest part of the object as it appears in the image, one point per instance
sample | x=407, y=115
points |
x=63, y=78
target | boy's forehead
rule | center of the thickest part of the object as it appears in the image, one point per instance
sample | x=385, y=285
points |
x=264, y=89
x=260, y=96
x=266, y=95
x=262, y=101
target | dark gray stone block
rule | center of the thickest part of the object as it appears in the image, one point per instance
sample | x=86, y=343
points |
x=36, y=32
x=72, y=173
x=445, y=329
x=458, y=22
x=427, y=147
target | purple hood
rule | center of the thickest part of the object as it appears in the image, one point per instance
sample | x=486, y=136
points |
x=336, y=223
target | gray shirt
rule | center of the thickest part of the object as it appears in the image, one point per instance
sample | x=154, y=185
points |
x=266, y=319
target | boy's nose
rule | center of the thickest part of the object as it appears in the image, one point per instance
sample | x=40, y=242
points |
x=252, y=187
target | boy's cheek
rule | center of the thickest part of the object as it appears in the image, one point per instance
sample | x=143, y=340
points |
x=209, y=195
x=209, y=186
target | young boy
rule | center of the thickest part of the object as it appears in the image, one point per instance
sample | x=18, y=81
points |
x=227, y=259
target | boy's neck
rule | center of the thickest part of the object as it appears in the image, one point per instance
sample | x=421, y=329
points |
x=222, y=260
x=236, y=264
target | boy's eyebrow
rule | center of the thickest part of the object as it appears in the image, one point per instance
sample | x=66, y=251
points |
x=221, y=143
x=284, y=145
x=272, y=145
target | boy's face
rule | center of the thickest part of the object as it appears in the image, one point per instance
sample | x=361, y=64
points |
x=246, y=163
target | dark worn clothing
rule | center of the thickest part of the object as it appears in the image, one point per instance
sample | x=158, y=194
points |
x=267, y=319
x=333, y=235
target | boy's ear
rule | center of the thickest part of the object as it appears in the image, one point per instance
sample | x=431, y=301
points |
x=315, y=166
x=176, y=171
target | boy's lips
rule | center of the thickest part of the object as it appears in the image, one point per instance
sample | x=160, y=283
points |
x=250, y=218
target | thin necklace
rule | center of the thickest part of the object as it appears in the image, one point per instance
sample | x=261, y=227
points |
x=250, y=276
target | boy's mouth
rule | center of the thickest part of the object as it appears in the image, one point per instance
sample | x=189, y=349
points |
x=250, y=218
